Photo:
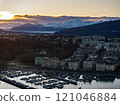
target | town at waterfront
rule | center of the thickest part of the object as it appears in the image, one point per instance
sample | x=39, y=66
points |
x=48, y=61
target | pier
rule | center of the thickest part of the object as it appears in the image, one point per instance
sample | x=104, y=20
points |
x=16, y=84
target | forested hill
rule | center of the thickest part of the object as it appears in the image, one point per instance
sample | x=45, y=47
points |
x=110, y=28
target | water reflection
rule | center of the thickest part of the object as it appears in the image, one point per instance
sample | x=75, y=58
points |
x=112, y=79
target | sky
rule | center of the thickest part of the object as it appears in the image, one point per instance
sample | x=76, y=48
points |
x=17, y=12
x=93, y=8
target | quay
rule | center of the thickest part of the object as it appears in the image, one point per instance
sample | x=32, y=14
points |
x=16, y=84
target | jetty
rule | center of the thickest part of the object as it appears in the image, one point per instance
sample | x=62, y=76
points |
x=14, y=83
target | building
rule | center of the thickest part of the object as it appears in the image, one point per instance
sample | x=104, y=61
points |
x=93, y=56
x=86, y=40
x=101, y=66
x=47, y=62
x=110, y=67
x=43, y=52
x=54, y=62
x=105, y=67
x=114, y=48
x=50, y=62
x=113, y=51
x=73, y=65
x=89, y=65
x=92, y=40
x=73, y=40
x=38, y=61
x=63, y=64
x=108, y=44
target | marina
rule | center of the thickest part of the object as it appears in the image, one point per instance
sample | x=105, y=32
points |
x=27, y=79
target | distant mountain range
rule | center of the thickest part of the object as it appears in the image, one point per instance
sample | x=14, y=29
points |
x=34, y=27
x=72, y=24
x=110, y=28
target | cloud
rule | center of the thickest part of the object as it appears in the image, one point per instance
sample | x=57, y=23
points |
x=23, y=19
x=63, y=18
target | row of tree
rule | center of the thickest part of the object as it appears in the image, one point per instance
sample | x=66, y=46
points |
x=25, y=51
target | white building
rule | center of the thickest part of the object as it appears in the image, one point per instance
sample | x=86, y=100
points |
x=110, y=67
x=50, y=62
x=73, y=65
x=63, y=64
x=89, y=65
x=38, y=61
x=105, y=67
x=100, y=67
x=47, y=62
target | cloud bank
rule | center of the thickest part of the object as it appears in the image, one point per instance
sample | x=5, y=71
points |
x=23, y=19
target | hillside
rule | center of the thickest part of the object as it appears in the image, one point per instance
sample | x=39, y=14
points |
x=1, y=32
x=34, y=27
x=110, y=28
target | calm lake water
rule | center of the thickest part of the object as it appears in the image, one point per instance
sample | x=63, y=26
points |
x=49, y=32
x=99, y=83
x=4, y=85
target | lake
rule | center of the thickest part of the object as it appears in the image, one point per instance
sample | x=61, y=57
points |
x=4, y=85
x=36, y=32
